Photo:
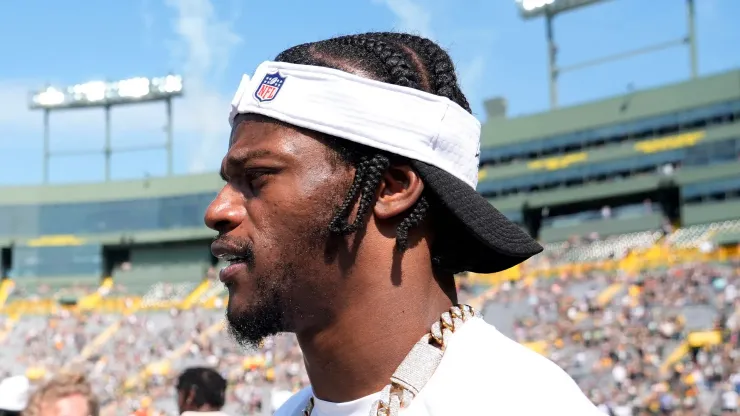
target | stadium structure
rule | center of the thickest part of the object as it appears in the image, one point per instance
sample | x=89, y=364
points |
x=620, y=165
x=630, y=164
x=643, y=180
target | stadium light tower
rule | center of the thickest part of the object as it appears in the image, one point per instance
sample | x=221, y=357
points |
x=106, y=95
x=531, y=9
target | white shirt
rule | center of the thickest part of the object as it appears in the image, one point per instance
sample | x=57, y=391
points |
x=729, y=400
x=623, y=410
x=619, y=373
x=482, y=373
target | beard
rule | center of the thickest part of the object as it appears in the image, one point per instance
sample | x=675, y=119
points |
x=288, y=292
x=267, y=315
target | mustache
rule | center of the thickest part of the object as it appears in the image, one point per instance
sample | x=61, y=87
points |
x=239, y=247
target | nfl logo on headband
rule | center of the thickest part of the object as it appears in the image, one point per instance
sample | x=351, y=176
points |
x=269, y=87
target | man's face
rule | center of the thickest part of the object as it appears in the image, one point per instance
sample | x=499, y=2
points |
x=282, y=189
x=74, y=405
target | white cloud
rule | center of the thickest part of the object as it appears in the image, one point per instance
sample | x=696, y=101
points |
x=470, y=75
x=411, y=17
x=206, y=43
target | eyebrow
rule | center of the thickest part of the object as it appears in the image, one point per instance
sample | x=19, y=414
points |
x=242, y=157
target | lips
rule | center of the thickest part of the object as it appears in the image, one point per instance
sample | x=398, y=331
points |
x=228, y=274
x=235, y=255
x=223, y=249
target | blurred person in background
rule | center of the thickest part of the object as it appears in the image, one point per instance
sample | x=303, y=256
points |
x=67, y=394
x=14, y=393
x=200, y=391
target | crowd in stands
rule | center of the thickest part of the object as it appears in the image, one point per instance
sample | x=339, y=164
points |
x=640, y=340
x=619, y=351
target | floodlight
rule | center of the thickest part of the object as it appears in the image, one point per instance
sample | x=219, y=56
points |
x=92, y=92
x=134, y=88
x=534, y=8
x=106, y=94
x=530, y=5
x=170, y=84
x=49, y=97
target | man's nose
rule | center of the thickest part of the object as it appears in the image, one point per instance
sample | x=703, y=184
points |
x=226, y=212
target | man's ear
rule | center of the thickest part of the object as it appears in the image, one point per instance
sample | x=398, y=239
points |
x=399, y=189
x=190, y=398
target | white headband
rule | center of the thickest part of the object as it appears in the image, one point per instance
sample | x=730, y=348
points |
x=400, y=120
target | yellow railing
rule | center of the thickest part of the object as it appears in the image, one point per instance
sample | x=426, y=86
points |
x=92, y=300
x=6, y=288
x=196, y=295
x=539, y=347
x=93, y=346
x=659, y=255
x=32, y=307
x=696, y=339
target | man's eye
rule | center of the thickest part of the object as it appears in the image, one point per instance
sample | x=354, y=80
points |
x=253, y=176
x=256, y=179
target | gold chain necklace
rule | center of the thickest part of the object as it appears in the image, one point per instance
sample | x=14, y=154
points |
x=418, y=366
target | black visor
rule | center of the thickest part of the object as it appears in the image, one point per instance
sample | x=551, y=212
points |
x=495, y=243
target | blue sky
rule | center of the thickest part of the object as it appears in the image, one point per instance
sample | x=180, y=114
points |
x=213, y=42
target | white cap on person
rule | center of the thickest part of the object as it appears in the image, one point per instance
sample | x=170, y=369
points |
x=14, y=392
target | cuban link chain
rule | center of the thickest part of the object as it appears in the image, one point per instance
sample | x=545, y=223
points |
x=418, y=366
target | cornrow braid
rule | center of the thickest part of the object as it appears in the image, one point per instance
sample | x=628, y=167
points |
x=299, y=53
x=392, y=58
x=437, y=63
x=367, y=177
x=415, y=218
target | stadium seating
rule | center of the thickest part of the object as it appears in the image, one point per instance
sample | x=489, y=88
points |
x=562, y=305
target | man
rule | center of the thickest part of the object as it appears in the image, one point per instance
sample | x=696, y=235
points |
x=64, y=395
x=14, y=393
x=349, y=205
x=200, y=391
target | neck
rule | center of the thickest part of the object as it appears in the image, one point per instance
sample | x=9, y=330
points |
x=203, y=409
x=359, y=351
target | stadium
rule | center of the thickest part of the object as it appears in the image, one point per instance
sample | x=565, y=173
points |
x=636, y=199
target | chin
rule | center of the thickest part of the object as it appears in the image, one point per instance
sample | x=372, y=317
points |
x=252, y=320
x=238, y=302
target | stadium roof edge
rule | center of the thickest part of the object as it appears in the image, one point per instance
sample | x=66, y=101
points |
x=111, y=191
x=629, y=107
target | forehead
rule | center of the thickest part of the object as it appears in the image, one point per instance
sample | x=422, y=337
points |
x=261, y=136
x=74, y=405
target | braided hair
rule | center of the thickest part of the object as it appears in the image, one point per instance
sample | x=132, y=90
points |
x=395, y=58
